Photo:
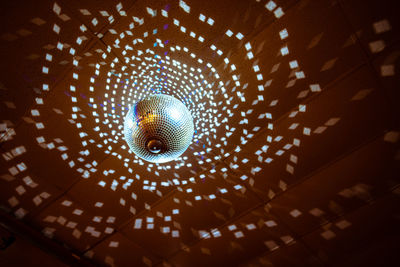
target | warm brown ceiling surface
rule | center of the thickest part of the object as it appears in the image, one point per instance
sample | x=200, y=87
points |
x=295, y=159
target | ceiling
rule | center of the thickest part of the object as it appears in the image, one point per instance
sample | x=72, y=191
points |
x=295, y=159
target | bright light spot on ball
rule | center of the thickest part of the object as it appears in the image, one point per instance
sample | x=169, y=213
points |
x=175, y=113
x=158, y=128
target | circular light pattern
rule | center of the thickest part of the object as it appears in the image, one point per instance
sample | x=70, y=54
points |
x=227, y=91
x=226, y=100
x=158, y=128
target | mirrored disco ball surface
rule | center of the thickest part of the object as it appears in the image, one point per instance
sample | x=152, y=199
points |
x=158, y=128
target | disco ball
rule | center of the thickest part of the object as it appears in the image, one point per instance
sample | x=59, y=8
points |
x=158, y=128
